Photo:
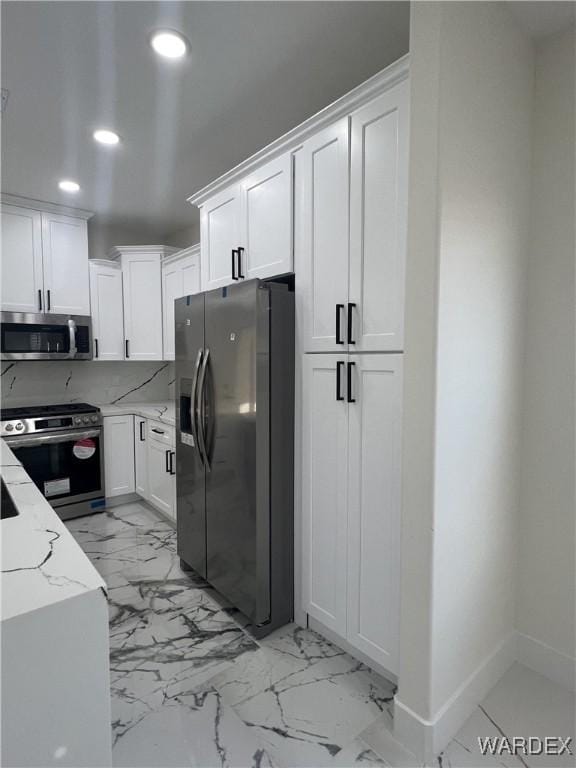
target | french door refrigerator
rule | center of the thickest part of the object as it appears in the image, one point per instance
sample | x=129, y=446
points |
x=235, y=445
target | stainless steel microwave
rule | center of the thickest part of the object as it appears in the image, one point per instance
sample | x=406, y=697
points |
x=45, y=337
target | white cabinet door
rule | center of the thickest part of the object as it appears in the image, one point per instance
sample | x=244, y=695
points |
x=324, y=452
x=324, y=278
x=107, y=310
x=179, y=278
x=65, y=258
x=119, y=455
x=266, y=225
x=22, y=280
x=142, y=281
x=162, y=486
x=190, y=267
x=220, y=235
x=374, y=455
x=141, y=457
x=378, y=210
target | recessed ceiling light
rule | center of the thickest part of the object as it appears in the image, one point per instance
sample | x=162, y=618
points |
x=66, y=185
x=104, y=136
x=168, y=43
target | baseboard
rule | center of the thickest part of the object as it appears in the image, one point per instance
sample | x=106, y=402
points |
x=125, y=498
x=427, y=738
x=542, y=658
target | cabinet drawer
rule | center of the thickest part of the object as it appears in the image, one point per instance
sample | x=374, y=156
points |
x=161, y=433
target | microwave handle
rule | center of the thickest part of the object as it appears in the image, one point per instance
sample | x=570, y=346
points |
x=72, y=331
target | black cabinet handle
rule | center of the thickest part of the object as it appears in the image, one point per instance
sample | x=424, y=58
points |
x=172, y=470
x=339, y=366
x=234, y=275
x=141, y=432
x=351, y=306
x=167, y=457
x=158, y=431
x=95, y=347
x=127, y=352
x=48, y=301
x=350, y=399
x=338, y=308
x=39, y=300
x=240, y=251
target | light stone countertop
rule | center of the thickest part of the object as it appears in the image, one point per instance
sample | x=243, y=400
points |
x=164, y=412
x=41, y=562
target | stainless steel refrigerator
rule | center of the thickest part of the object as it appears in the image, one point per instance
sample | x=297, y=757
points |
x=235, y=445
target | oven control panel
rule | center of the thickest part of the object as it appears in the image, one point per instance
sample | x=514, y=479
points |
x=23, y=426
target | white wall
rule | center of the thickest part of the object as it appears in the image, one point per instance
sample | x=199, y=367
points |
x=472, y=74
x=546, y=599
x=55, y=381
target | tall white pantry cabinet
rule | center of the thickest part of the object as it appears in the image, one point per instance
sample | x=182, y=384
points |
x=350, y=264
x=329, y=201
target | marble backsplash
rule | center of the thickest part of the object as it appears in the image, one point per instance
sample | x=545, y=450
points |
x=46, y=382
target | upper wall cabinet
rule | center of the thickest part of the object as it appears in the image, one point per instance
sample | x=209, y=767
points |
x=44, y=261
x=378, y=222
x=107, y=310
x=246, y=230
x=142, y=299
x=180, y=277
x=323, y=274
x=354, y=287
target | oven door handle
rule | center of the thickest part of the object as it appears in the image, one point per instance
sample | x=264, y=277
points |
x=72, y=331
x=20, y=441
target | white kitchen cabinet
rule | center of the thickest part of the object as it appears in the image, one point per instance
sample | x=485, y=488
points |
x=374, y=454
x=323, y=274
x=141, y=457
x=142, y=298
x=246, y=230
x=107, y=310
x=220, y=237
x=180, y=277
x=162, y=468
x=378, y=211
x=353, y=242
x=351, y=498
x=22, y=278
x=266, y=220
x=65, y=258
x=118, y=455
x=44, y=261
x=324, y=480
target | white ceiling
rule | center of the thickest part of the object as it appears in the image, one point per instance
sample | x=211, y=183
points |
x=255, y=70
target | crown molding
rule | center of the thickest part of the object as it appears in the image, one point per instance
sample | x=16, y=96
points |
x=164, y=250
x=346, y=105
x=191, y=250
x=42, y=205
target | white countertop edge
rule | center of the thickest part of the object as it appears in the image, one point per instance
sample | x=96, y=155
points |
x=42, y=564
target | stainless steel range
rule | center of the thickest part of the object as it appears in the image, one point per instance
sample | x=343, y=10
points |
x=61, y=448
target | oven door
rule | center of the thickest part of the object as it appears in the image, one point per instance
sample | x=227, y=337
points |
x=67, y=467
x=45, y=337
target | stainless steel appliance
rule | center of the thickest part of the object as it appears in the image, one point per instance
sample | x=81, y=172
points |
x=45, y=337
x=235, y=445
x=61, y=448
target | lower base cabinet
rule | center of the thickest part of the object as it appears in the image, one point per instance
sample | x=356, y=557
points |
x=139, y=457
x=351, y=499
x=118, y=455
x=162, y=468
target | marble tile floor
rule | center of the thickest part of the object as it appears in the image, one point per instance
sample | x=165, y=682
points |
x=190, y=687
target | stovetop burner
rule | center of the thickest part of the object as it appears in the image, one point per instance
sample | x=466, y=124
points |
x=33, y=411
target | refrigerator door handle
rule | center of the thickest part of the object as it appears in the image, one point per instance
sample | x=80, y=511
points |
x=193, y=398
x=200, y=411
